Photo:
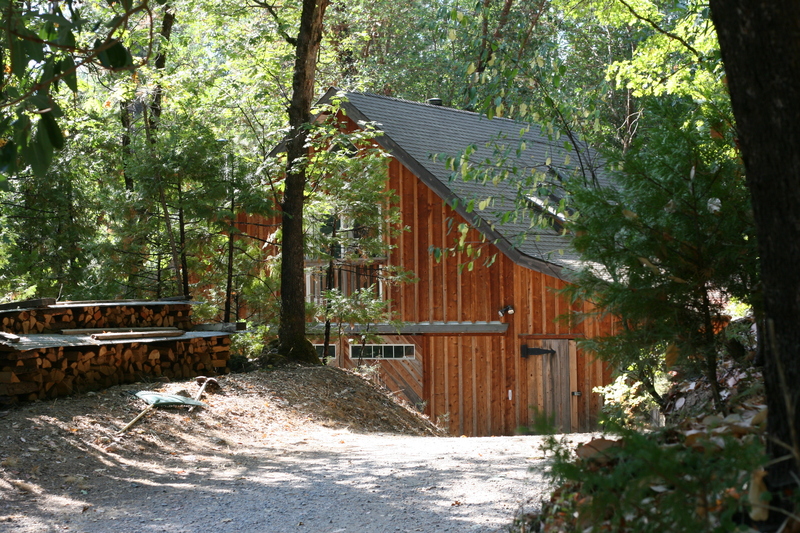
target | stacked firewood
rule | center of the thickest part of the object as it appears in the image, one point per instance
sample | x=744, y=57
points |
x=55, y=318
x=104, y=344
x=58, y=371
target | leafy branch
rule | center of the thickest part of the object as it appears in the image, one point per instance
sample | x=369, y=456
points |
x=661, y=30
x=281, y=25
x=90, y=53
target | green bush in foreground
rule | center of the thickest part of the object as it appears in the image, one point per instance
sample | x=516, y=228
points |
x=670, y=480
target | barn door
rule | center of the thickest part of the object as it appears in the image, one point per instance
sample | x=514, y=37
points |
x=549, y=372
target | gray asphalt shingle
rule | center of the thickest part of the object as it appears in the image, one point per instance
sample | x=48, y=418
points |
x=423, y=136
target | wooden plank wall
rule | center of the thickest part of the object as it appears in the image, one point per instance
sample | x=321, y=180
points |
x=467, y=380
x=404, y=376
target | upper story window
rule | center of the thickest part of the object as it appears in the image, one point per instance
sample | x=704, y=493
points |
x=346, y=239
x=348, y=278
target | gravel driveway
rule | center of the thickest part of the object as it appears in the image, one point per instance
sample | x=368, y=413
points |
x=330, y=481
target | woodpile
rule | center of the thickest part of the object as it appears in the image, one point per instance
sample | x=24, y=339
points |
x=54, y=318
x=103, y=345
x=57, y=371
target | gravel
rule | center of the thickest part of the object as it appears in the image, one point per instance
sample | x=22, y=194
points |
x=297, y=449
x=330, y=481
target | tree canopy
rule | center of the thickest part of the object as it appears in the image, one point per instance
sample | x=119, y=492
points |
x=134, y=133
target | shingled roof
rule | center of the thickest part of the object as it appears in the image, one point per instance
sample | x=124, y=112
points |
x=422, y=136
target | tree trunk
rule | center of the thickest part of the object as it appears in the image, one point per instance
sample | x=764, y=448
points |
x=127, y=127
x=151, y=123
x=292, y=338
x=760, y=44
x=226, y=316
x=134, y=260
x=329, y=281
x=182, y=243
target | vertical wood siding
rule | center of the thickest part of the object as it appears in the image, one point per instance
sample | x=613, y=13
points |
x=466, y=379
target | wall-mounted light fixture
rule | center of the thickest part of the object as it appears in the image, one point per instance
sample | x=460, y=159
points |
x=507, y=310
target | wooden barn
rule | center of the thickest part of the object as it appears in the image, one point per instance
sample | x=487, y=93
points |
x=479, y=349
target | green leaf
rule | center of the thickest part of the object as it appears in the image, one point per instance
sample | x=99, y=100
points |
x=38, y=153
x=35, y=50
x=8, y=162
x=42, y=138
x=48, y=72
x=70, y=77
x=103, y=55
x=19, y=59
x=56, y=19
x=48, y=31
x=40, y=100
x=21, y=128
x=65, y=37
x=114, y=21
x=119, y=56
x=52, y=129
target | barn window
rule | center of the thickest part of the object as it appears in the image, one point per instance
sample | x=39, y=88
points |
x=350, y=233
x=348, y=278
x=320, y=348
x=354, y=268
x=382, y=351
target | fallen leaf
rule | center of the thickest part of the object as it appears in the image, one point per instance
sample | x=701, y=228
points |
x=760, y=418
x=693, y=436
x=758, y=512
x=22, y=486
x=597, y=450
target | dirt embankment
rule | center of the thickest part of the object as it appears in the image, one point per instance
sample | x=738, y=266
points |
x=41, y=443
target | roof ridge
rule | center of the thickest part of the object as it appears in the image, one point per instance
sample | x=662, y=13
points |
x=425, y=104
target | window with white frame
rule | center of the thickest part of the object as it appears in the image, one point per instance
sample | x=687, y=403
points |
x=348, y=278
x=349, y=233
x=382, y=351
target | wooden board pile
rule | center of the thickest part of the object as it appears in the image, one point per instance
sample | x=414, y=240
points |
x=149, y=342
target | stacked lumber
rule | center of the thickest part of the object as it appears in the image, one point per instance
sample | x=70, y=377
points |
x=41, y=373
x=54, y=318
